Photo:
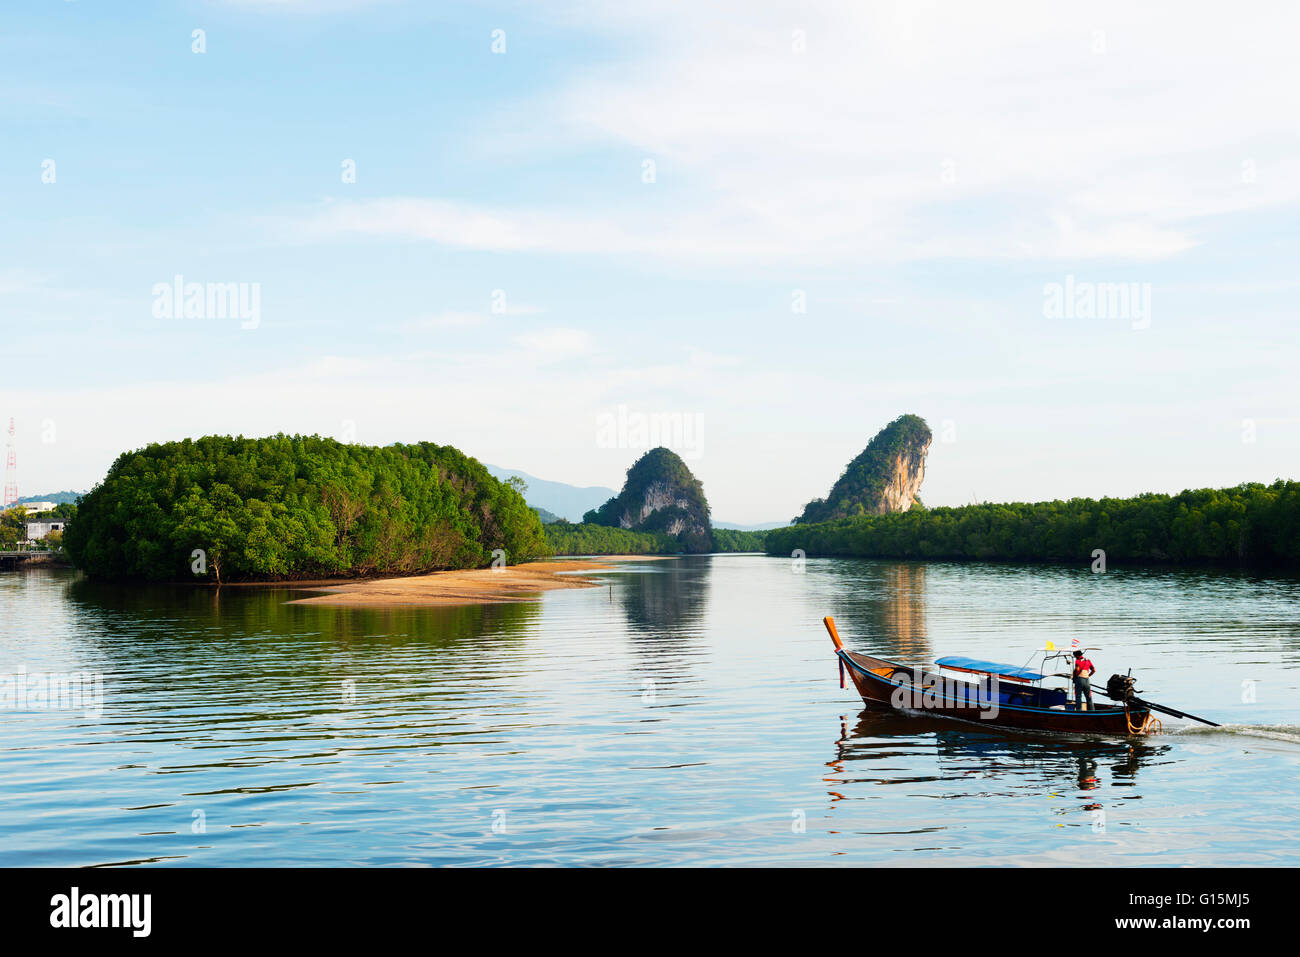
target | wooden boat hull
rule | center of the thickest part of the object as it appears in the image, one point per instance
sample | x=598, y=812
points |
x=875, y=681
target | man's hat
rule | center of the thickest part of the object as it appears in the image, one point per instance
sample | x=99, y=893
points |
x=1078, y=654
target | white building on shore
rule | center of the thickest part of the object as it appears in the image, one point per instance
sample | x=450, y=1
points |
x=34, y=508
x=40, y=528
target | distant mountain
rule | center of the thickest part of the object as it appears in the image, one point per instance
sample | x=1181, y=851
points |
x=885, y=477
x=548, y=518
x=564, y=501
x=58, y=498
x=660, y=495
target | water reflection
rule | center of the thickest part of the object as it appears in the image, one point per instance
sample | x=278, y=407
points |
x=991, y=756
x=882, y=609
x=902, y=611
x=192, y=665
x=185, y=616
x=667, y=599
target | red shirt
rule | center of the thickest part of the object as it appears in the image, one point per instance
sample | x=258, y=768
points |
x=1083, y=664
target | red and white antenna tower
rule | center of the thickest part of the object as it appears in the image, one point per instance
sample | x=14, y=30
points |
x=11, y=468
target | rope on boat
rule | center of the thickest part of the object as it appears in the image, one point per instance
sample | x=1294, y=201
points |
x=1151, y=725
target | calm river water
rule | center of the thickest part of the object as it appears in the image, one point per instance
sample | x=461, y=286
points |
x=687, y=712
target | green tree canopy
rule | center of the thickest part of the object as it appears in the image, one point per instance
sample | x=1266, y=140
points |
x=292, y=506
x=1247, y=524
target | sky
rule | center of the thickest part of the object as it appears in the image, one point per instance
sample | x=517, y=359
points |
x=1065, y=235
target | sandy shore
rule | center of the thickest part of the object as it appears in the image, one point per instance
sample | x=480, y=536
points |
x=477, y=586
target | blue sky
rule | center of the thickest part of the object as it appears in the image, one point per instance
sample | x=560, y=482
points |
x=917, y=173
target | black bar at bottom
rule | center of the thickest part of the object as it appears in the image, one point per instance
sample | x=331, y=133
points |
x=235, y=907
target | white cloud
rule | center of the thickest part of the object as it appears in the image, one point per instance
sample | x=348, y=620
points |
x=14, y=281
x=518, y=229
x=454, y=319
x=847, y=147
x=305, y=6
x=1119, y=240
x=339, y=367
x=712, y=360
x=446, y=320
x=556, y=343
x=904, y=132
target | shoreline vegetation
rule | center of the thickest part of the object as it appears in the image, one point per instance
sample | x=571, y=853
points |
x=1250, y=524
x=306, y=509
x=566, y=538
x=225, y=509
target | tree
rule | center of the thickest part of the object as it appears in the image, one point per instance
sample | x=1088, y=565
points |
x=13, y=526
x=296, y=507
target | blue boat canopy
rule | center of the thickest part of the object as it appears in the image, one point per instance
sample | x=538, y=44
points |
x=988, y=668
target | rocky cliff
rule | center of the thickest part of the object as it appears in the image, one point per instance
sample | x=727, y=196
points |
x=885, y=477
x=660, y=495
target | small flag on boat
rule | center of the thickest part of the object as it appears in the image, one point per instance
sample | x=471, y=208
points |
x=1050, y=647
x=1074, y=642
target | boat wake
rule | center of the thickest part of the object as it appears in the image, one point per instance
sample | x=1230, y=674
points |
x=1272, y=732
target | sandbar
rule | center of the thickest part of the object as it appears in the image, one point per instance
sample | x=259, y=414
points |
x=473, y=586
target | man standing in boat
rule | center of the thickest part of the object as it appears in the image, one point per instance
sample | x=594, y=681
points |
x=1083, y=670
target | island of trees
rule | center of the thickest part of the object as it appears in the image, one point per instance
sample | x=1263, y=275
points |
x=297, y=507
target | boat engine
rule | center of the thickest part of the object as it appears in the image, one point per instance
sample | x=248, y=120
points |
x=1120, y=687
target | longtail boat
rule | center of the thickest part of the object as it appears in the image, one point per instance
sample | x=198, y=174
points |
x=998, y=695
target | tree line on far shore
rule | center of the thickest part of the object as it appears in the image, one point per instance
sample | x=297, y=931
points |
x=567, y=538
x=1249, y=524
